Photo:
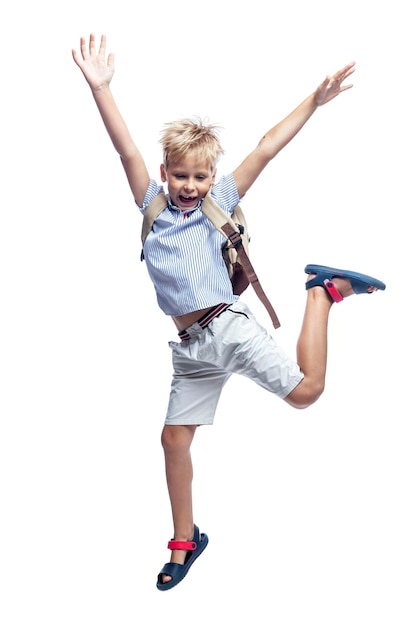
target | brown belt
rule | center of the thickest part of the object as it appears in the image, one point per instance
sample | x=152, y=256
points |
x=206, y=319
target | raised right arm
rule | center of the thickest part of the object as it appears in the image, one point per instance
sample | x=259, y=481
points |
x=98, y=73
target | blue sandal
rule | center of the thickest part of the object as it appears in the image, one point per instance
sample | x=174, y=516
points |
x=176, y=570
x=324, y=278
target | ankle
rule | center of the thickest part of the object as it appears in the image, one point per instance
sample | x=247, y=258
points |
x=184, y=534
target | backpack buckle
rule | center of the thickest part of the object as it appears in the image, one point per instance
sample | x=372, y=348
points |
x=235, y=239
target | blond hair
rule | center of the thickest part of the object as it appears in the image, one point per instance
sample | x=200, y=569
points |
x=190, y=136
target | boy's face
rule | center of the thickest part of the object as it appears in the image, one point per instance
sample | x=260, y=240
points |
x=188, y=181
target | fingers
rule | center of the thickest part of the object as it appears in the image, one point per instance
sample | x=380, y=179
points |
x=349, y=66
x=83, y=50
x=83, y=47
x=102, y=49
x=346, y=71
x=335, y=82
x=89, y=51
x=92, y=45
x=344, y=87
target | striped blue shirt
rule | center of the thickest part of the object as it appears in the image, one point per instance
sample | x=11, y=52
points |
x=183, y=253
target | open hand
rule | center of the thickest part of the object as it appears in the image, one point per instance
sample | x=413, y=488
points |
x=97, y=71
x=332, y=85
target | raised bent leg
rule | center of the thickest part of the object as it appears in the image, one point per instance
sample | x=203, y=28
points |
x=312, y=350
x=312, y=343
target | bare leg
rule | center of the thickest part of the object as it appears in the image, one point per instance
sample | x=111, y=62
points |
x=312, y=345
x=176, y=442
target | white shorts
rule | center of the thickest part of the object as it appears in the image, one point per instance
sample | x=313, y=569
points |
x=233, y=343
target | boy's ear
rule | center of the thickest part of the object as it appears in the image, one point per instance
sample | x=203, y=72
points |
x=163, y=173
x=213, y=177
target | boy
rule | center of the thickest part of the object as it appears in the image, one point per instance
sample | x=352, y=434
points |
x=218, y=334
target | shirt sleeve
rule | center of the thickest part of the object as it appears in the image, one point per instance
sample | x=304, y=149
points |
x=225, y=193
x=151, y=193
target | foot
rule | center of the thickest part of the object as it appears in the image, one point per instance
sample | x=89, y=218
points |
x=343, y=286
x=340, y=284
x=184, y=553
x=177, y=556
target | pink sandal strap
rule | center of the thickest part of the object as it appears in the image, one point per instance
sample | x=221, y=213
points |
x=333, y=291
x=182, y=545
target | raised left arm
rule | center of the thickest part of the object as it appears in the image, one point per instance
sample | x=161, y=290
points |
x=281, y=134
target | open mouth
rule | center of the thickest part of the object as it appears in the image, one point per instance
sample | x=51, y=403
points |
x=188, y=200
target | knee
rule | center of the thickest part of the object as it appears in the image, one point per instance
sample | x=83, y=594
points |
x=168, y=438
x=174, y=438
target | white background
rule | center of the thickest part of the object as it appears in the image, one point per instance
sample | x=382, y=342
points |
x=311, y=515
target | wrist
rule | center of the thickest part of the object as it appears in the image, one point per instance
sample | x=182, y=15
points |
x=101, y=88
x=315, y=100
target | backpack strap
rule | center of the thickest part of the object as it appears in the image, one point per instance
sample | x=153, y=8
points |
x=229, y=229
x=217, y=217
x=155, y=207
